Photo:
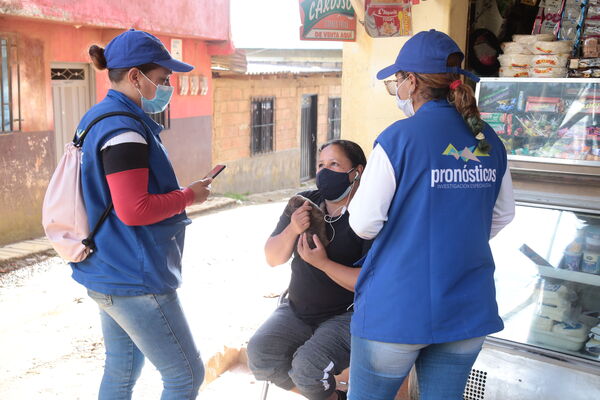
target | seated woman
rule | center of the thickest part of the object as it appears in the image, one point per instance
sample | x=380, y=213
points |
x=306, y=341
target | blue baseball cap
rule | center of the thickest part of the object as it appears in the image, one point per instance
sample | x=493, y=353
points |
x=133, y=48
x=426, y=53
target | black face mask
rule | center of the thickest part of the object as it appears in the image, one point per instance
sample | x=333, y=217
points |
x=334, y=186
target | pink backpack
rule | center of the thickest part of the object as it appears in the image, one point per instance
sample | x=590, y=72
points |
x=64, y=216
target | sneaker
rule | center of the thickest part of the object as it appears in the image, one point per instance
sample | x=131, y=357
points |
x=341, y=395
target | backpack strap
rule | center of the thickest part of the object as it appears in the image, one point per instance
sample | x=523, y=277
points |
x=78, y=139
x=78, y=142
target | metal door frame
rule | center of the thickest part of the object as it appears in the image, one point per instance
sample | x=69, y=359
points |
x=308, y=136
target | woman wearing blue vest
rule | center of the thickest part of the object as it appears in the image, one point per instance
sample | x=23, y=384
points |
x=136, y=268
x=435, y=190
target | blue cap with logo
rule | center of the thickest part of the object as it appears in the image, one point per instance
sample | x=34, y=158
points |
x=133, y=48
x=426, y=53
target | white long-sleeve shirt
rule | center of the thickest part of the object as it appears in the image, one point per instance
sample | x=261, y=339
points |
x=370, y=205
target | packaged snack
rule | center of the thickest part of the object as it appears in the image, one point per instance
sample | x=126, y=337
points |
x=515, y=60
x=556, y=293
x=571, y=20
x=515, y=48
x=542, y=323
x=593, y=346
x=590, y=47
x=544, y=104
x=592, y=235
x=575, y=330
x=557, y=47
x=539, y=20
x=591, y=105
x=556, y=339
x=585, y=73
x=547, y=72
x=590, y=262
x=593, y=11
x=501, y=123
x=514, y=72
x=388, y=18
x=572, y=260
x=493, y=97
x=568, y=31
x=585, y=63
x=550, y=60
x=591, y=27
x=529, y=40
x=551, y=15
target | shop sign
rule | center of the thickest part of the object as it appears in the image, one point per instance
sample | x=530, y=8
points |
x=327, y=20
x=388, y=18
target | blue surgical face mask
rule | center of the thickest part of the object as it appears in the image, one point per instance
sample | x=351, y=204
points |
x=161, y=98
x=405, y=105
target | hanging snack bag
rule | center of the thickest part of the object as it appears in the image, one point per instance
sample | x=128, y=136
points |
x=572, y=19
x=388, y=18
x=552, y=13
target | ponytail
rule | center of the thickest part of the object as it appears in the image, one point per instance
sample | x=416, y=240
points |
x=116, y=74
x=97, y=56
x=449, y=86
x=463, y=98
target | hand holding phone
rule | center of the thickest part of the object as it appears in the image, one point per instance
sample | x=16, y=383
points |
x=215, y=171
x=201, y=189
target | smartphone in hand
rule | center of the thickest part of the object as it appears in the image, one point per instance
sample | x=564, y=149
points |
x=215, y=171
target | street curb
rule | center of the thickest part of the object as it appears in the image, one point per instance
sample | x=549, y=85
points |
x=15, y=255
x=12, y=255
x=212, y=204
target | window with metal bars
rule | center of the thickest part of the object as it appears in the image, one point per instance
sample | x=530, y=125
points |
x=262, y=125
x=334, y=118
x=163, y=118
x=10, y=117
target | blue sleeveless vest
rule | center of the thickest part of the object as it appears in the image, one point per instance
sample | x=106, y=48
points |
x=129, y=260
x=429, y=276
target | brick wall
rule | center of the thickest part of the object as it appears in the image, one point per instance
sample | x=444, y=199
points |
x=232, y=121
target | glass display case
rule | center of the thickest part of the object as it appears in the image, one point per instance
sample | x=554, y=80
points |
x=542, y=119
x=547, y=259
x=548, y=280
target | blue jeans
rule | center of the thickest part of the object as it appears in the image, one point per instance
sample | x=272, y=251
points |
x=153, y=326
x=377, y=369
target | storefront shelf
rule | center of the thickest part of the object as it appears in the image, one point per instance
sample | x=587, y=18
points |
x=573, y=276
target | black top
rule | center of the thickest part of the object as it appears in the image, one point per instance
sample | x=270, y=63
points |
x=313, y=296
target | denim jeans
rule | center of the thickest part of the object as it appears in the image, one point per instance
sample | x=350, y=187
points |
x=152, y=326
x=291, y=353
x=377, y=369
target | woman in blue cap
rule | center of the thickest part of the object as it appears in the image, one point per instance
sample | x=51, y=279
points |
x=135, y=269
x=435, y=190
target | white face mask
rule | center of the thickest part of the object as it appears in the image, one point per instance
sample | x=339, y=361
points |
x=405, y=105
